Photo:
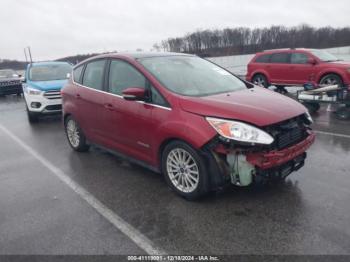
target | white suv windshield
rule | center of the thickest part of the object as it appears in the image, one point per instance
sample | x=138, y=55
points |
x=191, y=76
x=49, y=72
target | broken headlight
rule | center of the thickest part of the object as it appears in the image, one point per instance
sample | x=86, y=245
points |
x=240, y=131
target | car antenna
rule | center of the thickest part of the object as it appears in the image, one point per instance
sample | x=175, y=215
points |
x=30, y=55
x=25, y=54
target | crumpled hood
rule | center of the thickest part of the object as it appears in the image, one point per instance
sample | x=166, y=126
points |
x=48, y=85
x=257, y=106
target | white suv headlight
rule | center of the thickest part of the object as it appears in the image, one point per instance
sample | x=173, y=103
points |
x=240, y=131
x=32, y=91
x=308, y=116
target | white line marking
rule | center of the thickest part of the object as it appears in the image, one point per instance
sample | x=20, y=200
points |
x=331, y=134
x=136, y=236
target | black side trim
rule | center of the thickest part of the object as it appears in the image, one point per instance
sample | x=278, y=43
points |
x=128, y=158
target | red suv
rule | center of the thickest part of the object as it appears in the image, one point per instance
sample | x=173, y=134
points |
x=295, y=67
x=185, y=117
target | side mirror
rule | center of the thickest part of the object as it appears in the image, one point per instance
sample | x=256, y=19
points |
x=134, y=94
x=311, y=61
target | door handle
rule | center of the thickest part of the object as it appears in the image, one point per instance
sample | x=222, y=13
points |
x=109, y=107
x=77, y=96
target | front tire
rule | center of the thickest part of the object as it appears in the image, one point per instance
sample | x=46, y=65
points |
x=184, y=170
x=75, y=135
x=331, y=79
x=32, y=117
x=260, y=80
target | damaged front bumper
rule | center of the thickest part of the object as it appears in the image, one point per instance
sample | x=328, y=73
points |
x=266, y=160
x=242, y=166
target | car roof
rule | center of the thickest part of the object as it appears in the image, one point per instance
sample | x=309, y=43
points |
x=133, y=56
x=284, y=50
x=153, y=54
x=138, y=55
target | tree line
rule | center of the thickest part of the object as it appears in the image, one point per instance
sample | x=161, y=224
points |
x=240, y=40
x=243, y=40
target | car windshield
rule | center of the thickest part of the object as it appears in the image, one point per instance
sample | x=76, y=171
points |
x=7, y=73
x=49, y=72
x=324, y=56
x=191, y=76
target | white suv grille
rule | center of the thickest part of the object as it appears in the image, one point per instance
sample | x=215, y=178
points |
x=54, y=94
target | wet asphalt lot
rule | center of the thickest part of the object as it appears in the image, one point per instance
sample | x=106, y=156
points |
x=39, y=214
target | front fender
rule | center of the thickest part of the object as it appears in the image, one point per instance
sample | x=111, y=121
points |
x=336, y=71
x=195, y=131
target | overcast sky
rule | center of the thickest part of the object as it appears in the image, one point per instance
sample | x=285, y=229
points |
x=58, y=28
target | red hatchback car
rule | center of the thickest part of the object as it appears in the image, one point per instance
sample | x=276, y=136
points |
x=295, y=67
x=185, y=117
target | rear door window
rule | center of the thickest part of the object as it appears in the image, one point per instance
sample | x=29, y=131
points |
x=280, y=58
x=298, y=58
x=93, y=75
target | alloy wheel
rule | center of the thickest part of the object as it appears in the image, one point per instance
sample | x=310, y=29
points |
x=330, y=81
x=260, y=81
x=182, y=170
x=73, y=133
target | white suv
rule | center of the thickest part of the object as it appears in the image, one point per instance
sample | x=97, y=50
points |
x=42, y=88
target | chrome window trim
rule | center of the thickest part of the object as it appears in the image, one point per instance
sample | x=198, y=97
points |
x=104, y=92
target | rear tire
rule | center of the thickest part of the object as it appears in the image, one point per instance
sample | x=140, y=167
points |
x=75, y=135
x=260, y=80
x=184, y=170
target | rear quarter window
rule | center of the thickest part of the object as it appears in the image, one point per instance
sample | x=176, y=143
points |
x=262, y=59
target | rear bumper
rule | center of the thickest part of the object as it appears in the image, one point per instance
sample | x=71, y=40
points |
x=266, y=160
